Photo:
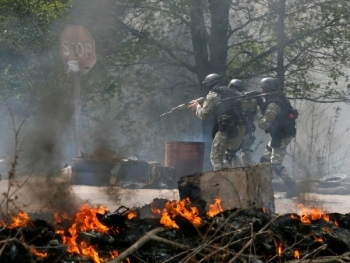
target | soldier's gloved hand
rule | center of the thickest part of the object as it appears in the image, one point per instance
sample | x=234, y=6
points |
x=193, y=106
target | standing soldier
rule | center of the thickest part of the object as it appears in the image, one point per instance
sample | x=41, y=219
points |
x=279, y=121
x=249, y=107
x=227, y=112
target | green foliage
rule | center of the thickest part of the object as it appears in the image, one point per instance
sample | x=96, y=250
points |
x=315, y=47
x=152, y=54
x=26, y=42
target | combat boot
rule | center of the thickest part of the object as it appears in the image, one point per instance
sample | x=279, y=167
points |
x=282, y=172
x=292, y=191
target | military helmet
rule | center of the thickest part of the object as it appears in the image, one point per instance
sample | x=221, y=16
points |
x=212, y=79
x=236, y=84
x=268, y=84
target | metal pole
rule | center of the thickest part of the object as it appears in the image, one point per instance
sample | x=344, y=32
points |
x=73, y=66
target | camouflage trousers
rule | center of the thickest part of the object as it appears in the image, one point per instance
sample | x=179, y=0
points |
x=276, y=157
x=247, y=153
x=221, y=143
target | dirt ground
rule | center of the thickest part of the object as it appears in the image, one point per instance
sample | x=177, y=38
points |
x=38, y=195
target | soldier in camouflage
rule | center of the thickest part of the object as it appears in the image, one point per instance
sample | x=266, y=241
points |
x=279, y=121
x=227, y=112
x=249, y=107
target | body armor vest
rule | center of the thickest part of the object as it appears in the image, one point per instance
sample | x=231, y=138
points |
x=228, y=103
x=227, y=112
x=283, y=125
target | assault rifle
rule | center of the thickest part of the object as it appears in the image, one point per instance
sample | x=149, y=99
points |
x=184, y=105
x=246, y=96
x=257, y=95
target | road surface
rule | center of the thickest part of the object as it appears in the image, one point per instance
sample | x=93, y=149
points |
x=39, y=195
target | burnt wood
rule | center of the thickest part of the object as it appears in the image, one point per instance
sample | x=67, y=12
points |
x=217, y=239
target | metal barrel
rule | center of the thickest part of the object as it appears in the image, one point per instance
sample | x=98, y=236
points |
x=186, y=157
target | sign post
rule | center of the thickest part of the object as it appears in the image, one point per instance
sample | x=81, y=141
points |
x=77, y=50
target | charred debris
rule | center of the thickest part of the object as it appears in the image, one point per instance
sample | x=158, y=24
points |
x=177, y=231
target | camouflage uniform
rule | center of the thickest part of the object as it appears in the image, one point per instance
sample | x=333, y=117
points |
x=251, y=107
x=222, y=140
x=271, y=154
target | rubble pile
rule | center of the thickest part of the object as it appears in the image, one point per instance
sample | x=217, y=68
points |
x=176, y=231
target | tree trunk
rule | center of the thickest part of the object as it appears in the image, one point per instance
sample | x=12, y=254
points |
x=237, y=188
x=280, y=50
x=219, y=13
x=215, y=61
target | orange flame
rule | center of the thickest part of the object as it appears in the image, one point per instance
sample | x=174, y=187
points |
x=182, y=208
x=336, y=223
x=314, y=213
x=296, y=254
x=132, y=214
x=85, y=220
x=279, y=249
x=264, y=209
x=167, y=221
x=215, y=208
x=293, y=216
x=318, y=239
x=114, y=254
x=155, y=210
x=57, y=218
x=20, y=220
x=38, y=254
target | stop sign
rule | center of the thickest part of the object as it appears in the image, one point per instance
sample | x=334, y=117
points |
x=77, y=44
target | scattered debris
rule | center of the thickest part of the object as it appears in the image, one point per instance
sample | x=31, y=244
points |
x=125, y=172
x=97, y=235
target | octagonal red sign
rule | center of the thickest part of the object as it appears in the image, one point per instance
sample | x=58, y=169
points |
x=77, y=44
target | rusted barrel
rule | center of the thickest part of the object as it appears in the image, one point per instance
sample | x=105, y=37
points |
x=186, y=157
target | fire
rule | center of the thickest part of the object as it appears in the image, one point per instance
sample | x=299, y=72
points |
x=318, y=239
x=155, y=210
x=293, y=216
x=336, y=223
x=215, y=208
x=279, y=249
x=264, y=209
x=314, y=213
x=296, y=254
x=58, y=219
x=114, y=254
x=38, y=254
x=167, y=221
x=20, y=220
x=89, y=251
x=85, y=220
x=182, y=208
x=132, y=214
